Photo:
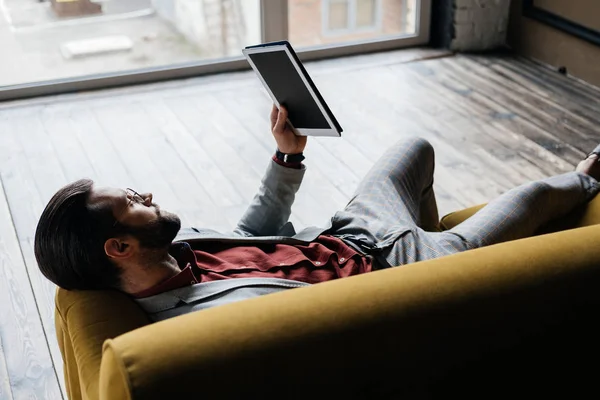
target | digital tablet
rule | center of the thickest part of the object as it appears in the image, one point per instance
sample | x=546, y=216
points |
x=288, y=84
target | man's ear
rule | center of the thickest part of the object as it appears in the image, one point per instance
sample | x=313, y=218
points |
x=118, y=248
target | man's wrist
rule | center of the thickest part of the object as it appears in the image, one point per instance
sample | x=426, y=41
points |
x=292, y=162
x=289, y=158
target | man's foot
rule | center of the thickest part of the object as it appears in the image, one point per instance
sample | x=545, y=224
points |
x=591, y=165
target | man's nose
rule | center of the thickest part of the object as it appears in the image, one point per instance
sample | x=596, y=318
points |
x=147, y=199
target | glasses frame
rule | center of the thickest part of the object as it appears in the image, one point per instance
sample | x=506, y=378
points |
x=132, y=196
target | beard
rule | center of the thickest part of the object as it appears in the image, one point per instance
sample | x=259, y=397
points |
x=157, y=234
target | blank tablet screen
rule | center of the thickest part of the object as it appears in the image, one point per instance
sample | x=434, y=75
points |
x=288, y=88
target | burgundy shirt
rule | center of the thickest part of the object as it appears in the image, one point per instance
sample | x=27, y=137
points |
x=324, y=259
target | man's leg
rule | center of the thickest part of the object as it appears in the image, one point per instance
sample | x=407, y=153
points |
x=520, y=212
x=396, y=196
x=516, y=214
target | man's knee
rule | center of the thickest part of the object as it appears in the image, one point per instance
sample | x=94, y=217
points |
x=422, y=150
x=423, y=146
x=531, y=193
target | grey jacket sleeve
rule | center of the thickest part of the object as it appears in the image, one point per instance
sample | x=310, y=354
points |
x=272, y=205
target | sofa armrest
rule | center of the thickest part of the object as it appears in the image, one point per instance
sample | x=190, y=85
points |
x=84, y=320
x=435, y=325
x=449, y=221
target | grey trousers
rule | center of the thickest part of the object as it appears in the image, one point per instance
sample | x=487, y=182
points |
x=394, y=212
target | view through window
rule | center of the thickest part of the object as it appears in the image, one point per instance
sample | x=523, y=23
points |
x=45, y=40
x=321, y=22
x=52, y=39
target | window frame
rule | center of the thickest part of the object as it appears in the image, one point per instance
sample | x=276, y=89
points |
x=274, y=23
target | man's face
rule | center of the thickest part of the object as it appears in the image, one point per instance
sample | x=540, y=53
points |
x=138, y=216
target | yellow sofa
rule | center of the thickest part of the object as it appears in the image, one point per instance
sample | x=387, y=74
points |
x=511, y=320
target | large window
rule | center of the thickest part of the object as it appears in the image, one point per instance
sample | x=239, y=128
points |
x=51, y=46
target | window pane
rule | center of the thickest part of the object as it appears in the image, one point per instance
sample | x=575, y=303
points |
x=50, y=39
x=314, y=22
x=338, y=15
x=365, y=13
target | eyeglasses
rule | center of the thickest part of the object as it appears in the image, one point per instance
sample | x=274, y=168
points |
x=132, y=195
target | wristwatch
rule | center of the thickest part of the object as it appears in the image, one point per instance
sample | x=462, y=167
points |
x=289, y=158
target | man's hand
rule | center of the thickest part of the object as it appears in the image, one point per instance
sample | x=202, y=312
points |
x=287, y=141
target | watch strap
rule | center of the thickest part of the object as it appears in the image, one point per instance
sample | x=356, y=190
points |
x=289, y=158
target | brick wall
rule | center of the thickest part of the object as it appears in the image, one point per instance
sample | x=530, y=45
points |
x=306, y=23
x=480, y=24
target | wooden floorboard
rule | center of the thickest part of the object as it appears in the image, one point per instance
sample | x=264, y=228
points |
x=29, y=183
x=5, y=391
x=528, y=100
x=26, y=368
x=201, y=146
x=565, y=90
x=485, y=118
x=544, y=113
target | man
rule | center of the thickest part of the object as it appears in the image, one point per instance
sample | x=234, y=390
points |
x=90, y=237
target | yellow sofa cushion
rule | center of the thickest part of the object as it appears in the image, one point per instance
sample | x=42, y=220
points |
x=449, y=221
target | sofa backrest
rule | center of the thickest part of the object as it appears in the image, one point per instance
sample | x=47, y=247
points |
x=84, y=320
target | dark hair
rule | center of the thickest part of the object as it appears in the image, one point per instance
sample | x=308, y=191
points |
x=69, y=240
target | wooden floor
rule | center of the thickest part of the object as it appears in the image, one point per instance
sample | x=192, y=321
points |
x=201, y=146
